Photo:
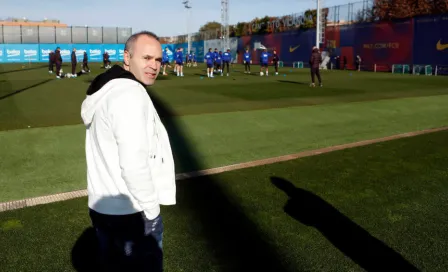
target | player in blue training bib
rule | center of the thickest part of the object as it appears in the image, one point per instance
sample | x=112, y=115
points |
x=209, y=59
x=264, y=60
x=165, y=60
x=215, y=55
x=219, y=62
x=189, y=59
x=193, y=56
x=179, y=62
x=226, y=58
x=247, y=60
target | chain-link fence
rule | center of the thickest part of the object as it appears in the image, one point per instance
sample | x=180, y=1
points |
x=336, y=15
x=73, y=34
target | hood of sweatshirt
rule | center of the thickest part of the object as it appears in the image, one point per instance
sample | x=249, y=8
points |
x=96, y=93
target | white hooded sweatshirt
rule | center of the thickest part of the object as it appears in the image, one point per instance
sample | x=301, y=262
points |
x=130, y=166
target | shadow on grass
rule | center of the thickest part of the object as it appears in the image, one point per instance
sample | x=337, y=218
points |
x=23, y=69
x=291, y=82
x=234, y=241
x=351, y=239
x=84, y=253
x=24, y=89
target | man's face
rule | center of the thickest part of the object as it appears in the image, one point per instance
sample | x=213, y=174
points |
x=146, y=59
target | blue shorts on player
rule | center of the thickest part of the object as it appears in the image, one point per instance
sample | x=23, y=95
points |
x=264, y=64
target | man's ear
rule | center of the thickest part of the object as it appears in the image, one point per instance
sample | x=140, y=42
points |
x=126, y=57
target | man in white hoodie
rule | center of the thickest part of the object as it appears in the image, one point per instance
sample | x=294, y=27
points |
x=130, y=166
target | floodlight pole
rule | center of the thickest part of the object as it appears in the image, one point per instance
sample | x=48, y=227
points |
x=225, y=39
x=187, y=5
x=318, y=23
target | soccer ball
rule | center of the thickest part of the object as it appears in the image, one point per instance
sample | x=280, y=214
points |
x=261, y=73
x=68, y=75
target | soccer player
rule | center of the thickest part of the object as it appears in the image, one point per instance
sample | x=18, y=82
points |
x=50, y=62
x=190, y=59
x=358, y=63
x=275, y=60
x=209, y=59
x=74, y=62
x=106, y=61
x=226, y=58
x=219, y=62
x=165, y=60
x=180, y=62
x=58, y=62
x=264, y=59
x=247, y=61
x=193, y=56
x=215, y=56
x=315, y=61
x=85, y=66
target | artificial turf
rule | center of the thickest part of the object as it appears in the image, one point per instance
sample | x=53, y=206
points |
x=375, y=207
x=32, y=97
x=224, y=121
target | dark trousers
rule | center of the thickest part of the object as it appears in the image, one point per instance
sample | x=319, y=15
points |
x=315, y=72
x=50, y=66
x=58, y=68
x=85, y=66
x=226, y=64
x=247, y=66
x=129, y=242
x=276, y=66
x=74, y=68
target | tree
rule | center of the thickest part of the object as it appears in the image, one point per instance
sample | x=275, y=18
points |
x=310, y=19
x=440, y=6
x=263, y=23
x=423, y=7
x=396, y=9
x=239, y=29
x=210, y=26
x=402, y=9
x=365, y=15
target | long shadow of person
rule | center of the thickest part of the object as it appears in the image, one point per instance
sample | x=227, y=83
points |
x=236, y=242
x=350, y=238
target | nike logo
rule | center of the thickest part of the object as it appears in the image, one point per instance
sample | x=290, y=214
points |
x=292, y=49
x=441, y=46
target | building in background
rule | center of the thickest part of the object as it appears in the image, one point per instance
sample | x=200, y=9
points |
x=26, y=22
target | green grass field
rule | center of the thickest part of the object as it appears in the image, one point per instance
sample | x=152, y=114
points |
x=390, y=196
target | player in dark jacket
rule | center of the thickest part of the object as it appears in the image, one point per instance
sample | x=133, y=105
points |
x=51, y=62
x=58, y=61
x=85, y=65
x=275, y=60
x=315, y=61
x=106, y=61
x=74, y=62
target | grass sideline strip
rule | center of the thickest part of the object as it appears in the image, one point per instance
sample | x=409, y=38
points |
x=29, y=202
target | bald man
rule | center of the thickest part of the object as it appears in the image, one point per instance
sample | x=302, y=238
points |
x=130, y=166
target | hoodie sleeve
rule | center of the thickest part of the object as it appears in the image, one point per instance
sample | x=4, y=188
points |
x=129, y=120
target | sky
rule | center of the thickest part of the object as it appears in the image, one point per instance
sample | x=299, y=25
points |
x=164, y=17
